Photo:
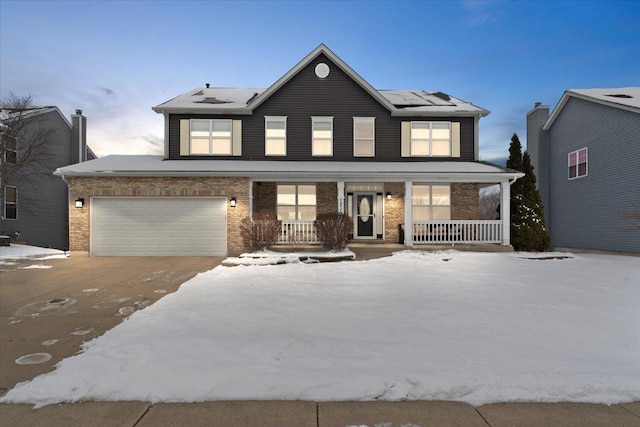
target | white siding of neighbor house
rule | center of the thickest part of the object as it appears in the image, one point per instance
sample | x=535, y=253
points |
x=595, y=212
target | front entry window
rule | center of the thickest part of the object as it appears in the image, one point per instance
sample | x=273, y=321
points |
x=296, y=202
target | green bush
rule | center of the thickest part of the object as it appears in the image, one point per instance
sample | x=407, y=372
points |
x=333, y=229
x=260, y=232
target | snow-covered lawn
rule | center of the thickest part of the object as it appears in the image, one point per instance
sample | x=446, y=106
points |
x=470, y=327
x=16, y=251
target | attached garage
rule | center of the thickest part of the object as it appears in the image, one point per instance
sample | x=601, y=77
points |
x=158, y=226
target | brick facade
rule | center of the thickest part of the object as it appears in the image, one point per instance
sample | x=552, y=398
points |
x=87, y=187
x=465, y=201
x=265, y=196
x=393, y=211
x=326, y=197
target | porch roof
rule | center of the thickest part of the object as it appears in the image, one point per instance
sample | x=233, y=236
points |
x=148, y=165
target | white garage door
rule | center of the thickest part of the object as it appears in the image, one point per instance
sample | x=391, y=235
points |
x=168, y=226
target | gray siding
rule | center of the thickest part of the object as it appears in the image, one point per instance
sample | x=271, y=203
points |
x=594, y=212
x=43, y=204
x=306, y=95
x=538, y=149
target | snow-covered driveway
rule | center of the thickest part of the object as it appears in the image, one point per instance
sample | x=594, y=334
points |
x=471, y=327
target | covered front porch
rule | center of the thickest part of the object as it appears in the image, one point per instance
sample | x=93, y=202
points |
x=407, y=212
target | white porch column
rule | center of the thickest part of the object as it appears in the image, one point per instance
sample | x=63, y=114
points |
x=408, y=215
x=340, y=196
x=250, y=198
x=505, y=212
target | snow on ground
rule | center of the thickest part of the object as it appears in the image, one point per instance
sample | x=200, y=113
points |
x=470, y=327
x=274, y=258
x=16, y=251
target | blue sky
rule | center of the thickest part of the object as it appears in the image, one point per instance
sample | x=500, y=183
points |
x=117, y=59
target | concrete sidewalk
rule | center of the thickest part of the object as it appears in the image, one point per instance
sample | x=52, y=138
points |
x=321, y=414
x=54, y=310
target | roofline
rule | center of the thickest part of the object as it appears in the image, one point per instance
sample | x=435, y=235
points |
x=36, y=111
x=395, y=113
x=488, y=177
x=330, y=173
x=408, y=114
x=571, y=93
x=244, y=111
x=322, y=48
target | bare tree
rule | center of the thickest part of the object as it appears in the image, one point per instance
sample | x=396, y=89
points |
x=490, y=202
x=26, y=157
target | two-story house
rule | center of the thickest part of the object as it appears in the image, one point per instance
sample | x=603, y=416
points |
x=402, y=163
x=585, y=156
x=36, y=142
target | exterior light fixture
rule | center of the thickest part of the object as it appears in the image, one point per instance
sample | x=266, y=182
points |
x=79, y=202
x=388, y=196
x=232, y=202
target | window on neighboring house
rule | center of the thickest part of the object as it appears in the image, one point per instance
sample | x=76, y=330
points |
x=322, y=136
x=10, y=150
x=10, y=202
x=296, y=202
x=275, y=131
x=431, y=202
x=364, y=136
x=431, y=139
x=578, y=163
x=210, y=137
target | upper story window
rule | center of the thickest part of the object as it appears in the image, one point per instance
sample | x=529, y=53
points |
x=431, y=202
x=431, y=139
x=322, y=136
x=10, y=150
x=578, y=163
x=10, y=202
x=364, y=136
x=275, y=131
x=210, y=137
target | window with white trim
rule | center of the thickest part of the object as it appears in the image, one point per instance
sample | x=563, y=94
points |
x=275, y=135
x=210, y=137
x=578, y=163
x=10, y=210
x=431, y=139
x=322, y=136
x=431, y=202
x=10, y=149
x=364, y=136
x=296, y=202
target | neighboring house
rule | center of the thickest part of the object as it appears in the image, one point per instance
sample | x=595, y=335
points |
x=34, y=201
x=402, y=163
x=586, y=156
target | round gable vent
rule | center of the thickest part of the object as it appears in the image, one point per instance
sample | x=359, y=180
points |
x=322, y=70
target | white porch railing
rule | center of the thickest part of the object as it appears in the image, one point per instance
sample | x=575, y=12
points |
x=298, y=232
x=457, y=231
